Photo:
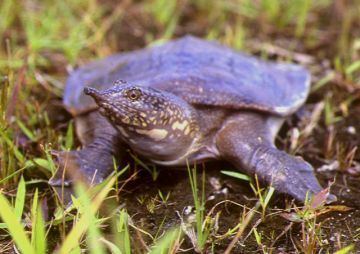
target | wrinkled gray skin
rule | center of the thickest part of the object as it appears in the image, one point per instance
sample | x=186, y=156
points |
x=187, y=100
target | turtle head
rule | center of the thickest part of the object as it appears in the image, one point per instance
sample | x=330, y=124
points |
x=154, y=123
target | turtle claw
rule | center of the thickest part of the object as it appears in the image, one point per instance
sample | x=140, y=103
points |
x=61, y=181
x=68, y=168
x=72, y=167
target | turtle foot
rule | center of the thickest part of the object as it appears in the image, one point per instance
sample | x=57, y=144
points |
x=68, y=170
x=291, y=175
x=77, y=166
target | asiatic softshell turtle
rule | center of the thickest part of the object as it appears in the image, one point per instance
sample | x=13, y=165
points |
x=187, y=101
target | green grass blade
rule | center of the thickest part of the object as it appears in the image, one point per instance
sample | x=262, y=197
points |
x=38, y=239
x=76, y=250
x=323, y=81
x=26, y=130
x=304, y=7
x=346, y=250
x=7, y=15
x=16, y=230
x=44, y=163
x=40, y=233
x=3, y=225
x=167, y=242
x=268, y=196
x=8, y=177
x=93, y=234
x=112, y=247
x=123, y=232
x=236, y=175
x=69, y=140
x=73, y=238
x=355, y=66
x=19, y=156
x=20, y=199
x=33, y=216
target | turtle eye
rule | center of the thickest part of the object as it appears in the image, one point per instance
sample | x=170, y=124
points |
x=134, y=94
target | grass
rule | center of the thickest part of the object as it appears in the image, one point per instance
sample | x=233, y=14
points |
x=203, y=225
x=41, y=41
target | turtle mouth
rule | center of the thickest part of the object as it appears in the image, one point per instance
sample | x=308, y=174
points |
x=117, y=115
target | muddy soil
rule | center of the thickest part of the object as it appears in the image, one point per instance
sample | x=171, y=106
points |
x=150, y=215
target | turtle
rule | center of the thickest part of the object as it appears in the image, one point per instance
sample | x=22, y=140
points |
x=183, y=102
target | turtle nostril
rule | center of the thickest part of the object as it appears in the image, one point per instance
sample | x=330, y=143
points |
x=89, y=91
x=95, y=94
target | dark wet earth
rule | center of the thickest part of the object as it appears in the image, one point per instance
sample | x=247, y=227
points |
x=338, y=229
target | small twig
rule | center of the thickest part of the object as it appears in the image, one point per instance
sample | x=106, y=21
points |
x=287, y=228
x=142, y=241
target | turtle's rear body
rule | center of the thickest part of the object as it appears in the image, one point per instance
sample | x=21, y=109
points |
x=183, y=102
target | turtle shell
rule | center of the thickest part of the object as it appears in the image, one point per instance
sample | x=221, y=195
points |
x=199, y=71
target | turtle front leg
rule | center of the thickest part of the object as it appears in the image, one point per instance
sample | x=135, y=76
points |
x=247, y=142
x=90, y=165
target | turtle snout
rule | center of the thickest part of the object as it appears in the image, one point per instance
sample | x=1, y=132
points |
x=104, y=106
x=95, y=94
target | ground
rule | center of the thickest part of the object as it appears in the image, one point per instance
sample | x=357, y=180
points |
x=158, y=208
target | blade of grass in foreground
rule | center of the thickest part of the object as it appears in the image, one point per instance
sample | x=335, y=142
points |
x=346, y=250
x=20, y=199
x=236, y=175
x=69, y=140
x=202, y=226
x=73, y=238
x=93, y=232
x=38, y=236
x=114, y=249
x=167, y=244
x=12, y=147
x=15, y=228
x=123, y=232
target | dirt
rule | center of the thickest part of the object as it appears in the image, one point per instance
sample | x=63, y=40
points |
x=336, y=227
